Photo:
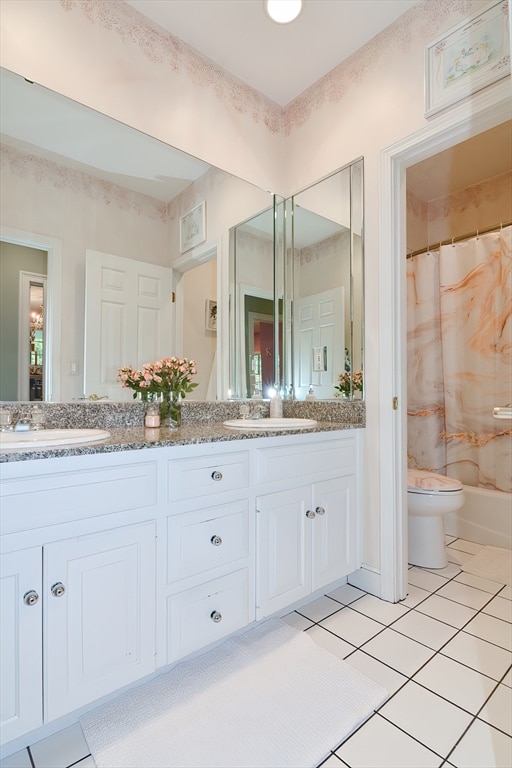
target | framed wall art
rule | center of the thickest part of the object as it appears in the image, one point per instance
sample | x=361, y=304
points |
x=467, y=58
x=211, y=314
x=193, y=227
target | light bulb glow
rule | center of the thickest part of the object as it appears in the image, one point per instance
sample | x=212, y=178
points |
x=283, y=11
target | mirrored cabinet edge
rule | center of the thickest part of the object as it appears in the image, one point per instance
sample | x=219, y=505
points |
x=297, y=324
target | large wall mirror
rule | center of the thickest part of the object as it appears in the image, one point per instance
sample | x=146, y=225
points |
x=297, y=293
x=82, y=198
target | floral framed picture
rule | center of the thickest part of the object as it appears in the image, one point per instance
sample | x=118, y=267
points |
x=211, y=315
x=467, y=58
x=193, y=227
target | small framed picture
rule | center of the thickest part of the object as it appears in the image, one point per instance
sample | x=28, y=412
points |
x=467, y=58
x=193, y=227
x=211, y=314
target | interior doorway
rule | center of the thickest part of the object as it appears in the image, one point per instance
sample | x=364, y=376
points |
x=486, y=110
x=23, y=270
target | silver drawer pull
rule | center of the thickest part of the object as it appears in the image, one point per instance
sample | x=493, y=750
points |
x=31, y=597
x=58, y=589
x=320, y=511
x=215, y=616
x=216, y=541
x=216, y=475
x=310, y=514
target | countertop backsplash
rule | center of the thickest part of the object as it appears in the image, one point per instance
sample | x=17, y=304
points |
x=105, y=414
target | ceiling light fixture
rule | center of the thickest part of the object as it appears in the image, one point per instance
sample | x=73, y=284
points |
x=283, y=11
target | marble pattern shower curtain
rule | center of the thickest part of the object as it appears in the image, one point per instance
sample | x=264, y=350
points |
x=459, y=349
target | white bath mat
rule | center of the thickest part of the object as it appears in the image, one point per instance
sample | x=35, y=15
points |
x=270, y=698
x=491, y=563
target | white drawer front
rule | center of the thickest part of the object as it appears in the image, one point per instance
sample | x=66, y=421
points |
x=191, y=614
x=41, y=500
x=202, y=476
x=297, y=461
x=209, y=538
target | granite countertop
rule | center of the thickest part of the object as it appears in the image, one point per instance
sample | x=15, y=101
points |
x=137, y=437
x=201, y=423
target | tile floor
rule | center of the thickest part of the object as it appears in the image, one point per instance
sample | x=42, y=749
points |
x=444, y=654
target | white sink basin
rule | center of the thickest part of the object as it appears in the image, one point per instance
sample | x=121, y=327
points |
x=269, y=424
x=44, y=438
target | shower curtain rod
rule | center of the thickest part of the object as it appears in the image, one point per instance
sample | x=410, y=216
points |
x=453, y=240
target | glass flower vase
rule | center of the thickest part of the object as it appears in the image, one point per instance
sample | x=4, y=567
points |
x=170, y=410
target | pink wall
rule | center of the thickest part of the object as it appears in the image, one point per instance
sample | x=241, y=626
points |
x=478, y=207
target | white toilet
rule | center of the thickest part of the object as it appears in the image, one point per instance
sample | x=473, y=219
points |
x=429, y=497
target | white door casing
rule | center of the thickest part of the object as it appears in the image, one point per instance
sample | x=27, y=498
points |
x=484, y=110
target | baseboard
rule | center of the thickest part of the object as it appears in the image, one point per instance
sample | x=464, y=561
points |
x=367, y=578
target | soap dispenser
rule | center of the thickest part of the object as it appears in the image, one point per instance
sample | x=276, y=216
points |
x=276, y=405
x=152, y=417
x=311, y=394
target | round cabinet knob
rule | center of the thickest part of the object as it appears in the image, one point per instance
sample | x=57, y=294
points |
x=320, y=511
x=310, y=514
x=58, y=589
x=216, y=541
x=215, y=616
x=216, y=475
x=31, y=597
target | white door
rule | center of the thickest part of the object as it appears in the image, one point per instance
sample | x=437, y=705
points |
x=283, y=549
x=335, y=552
x=21, y=668
x=100, y=615
x=319, y=342
x=128, y=319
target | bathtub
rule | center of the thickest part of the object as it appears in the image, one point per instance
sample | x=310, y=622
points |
x=485, y=517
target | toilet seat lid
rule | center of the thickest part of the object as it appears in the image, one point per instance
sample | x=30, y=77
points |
x=422, y=481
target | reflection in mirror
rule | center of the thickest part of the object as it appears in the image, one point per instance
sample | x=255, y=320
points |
x=22, y=326
x=324, y=272
x=252, y=350
x=76, y=182
x=297, y=293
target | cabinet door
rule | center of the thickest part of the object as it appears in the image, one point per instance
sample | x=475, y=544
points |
x=334, y=530
x=100, y=615
x=21, y=688
x=283, y=550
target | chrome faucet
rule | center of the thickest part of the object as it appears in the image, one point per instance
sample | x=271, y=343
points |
x=26, y=421
x=22, y=424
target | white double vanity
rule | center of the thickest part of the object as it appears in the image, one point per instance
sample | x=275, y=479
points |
x=119, y=562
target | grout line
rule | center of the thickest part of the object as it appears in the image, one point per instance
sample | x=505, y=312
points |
x=414, y=738
x=30, y=757
x=77, y=762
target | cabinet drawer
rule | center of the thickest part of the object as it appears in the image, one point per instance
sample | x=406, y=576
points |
x=191, y=615
x=209, y=538
x=202, y=476
x=35, y=501
x=300, y=460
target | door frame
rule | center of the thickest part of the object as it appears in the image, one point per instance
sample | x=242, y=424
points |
x=26, y=281
x=53, y=310
x=483, y=111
